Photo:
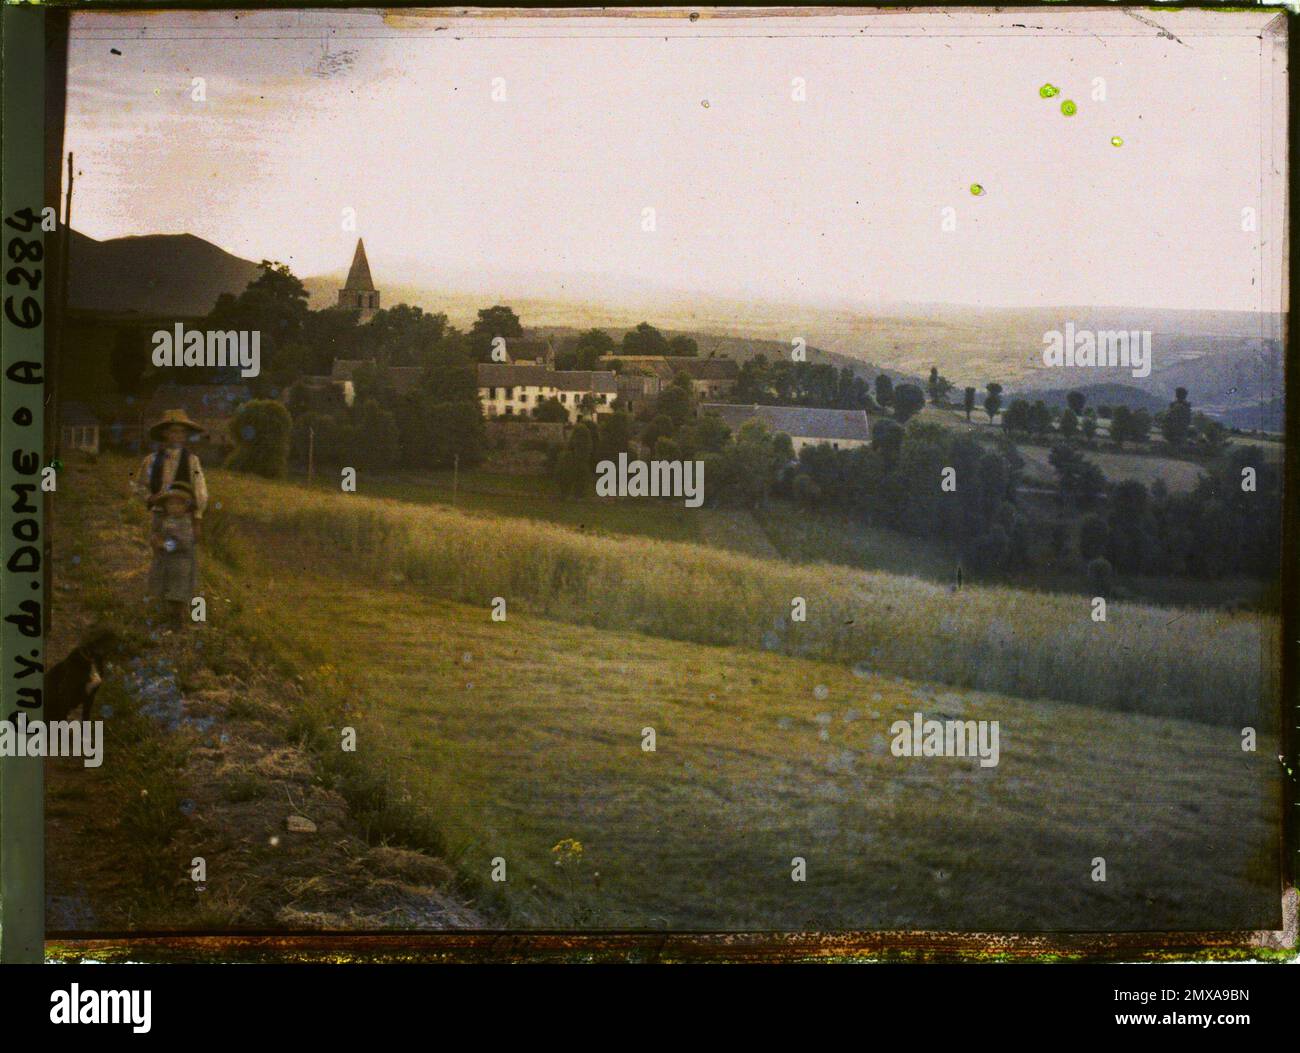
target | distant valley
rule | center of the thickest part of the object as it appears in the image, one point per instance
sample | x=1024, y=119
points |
x=1230, y=362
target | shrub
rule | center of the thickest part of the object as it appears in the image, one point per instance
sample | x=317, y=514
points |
x=1101, y=576
x=261, y=431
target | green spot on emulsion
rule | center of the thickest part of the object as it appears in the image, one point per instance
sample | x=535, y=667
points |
x=1048, y=90
x=1069, y=108
x=977, y=189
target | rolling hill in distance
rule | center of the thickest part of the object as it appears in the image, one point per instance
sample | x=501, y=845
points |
x=1230, y=361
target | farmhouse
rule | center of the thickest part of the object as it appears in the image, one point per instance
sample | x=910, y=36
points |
x=511, y=390
x=636, y=389
x=710, y=377
x=806, y=425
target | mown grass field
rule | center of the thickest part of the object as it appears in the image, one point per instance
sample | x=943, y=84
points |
x=506, y=738
x=985, y=638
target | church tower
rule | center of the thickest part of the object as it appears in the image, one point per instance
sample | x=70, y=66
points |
x=359, y=293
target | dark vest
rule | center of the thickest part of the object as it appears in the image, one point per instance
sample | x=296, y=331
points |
x=155, y=471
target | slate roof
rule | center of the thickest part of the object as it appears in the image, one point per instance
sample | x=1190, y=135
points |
x=501, y=374
x=668, y=366
x=799, y=422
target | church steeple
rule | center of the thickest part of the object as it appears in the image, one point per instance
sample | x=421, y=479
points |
x=359, y=292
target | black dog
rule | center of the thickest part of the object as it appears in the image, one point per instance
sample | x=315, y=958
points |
x=75, y=680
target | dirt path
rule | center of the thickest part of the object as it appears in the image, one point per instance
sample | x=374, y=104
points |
x=201, y=763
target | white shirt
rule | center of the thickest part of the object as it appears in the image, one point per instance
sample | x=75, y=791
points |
x=171, y=456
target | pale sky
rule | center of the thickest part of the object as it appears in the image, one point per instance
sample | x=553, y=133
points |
x=836, y=199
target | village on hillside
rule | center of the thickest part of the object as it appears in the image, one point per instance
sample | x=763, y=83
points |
x=1081, y=495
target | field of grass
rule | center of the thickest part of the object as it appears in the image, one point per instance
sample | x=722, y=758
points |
x=999, y=639
x=1178, y=475
x=512, y=737
x=500, y=740
x=531, y=497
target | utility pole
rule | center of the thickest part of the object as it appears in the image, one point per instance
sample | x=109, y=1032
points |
x=311, y=454
x=455, y=478
x=52, y=368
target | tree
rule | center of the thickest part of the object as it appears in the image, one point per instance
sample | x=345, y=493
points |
x=675, y=403
x=939, y=386
x=1140, y=425
x=1079, y=479
x=433, y=434
x=909, y=400
x=887, y=438
x=1017, y=418
x=1177, y=422
x=1076, y=400
x=711, y=433
x=551, y=411
x=491, y=323
x=1069, y=425
x=591, y=347
x=806, y=491
x=378, y=426
x=1094, y=537
x=1121, y=423
x=273, y=304
x=684, y=347
x=574, y=467
x=661, y=425
x=990, y=550
x=261, y=430
x=1214, y=435
x=884, y=391
x=1040, y=418
x=992, y=399
x=614, y=436
x=1101, y=577
x=1089, y=426
x=1131, y=526
x=645, y=339
x=969, y=402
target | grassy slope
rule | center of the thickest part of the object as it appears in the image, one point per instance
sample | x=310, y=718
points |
x=509, y=737
x=990, y=638
x=504, y=738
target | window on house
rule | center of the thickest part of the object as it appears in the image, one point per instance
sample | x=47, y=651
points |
x=523, y=397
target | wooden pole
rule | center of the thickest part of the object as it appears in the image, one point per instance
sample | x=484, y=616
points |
x=52, y=370
x=311, y=454
x=455, y=478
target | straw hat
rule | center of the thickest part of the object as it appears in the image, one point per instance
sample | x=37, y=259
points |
x=175, y=416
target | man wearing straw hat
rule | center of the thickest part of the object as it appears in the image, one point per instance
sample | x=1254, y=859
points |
x=172, y=462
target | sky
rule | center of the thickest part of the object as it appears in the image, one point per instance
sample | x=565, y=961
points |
x=838, y=198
